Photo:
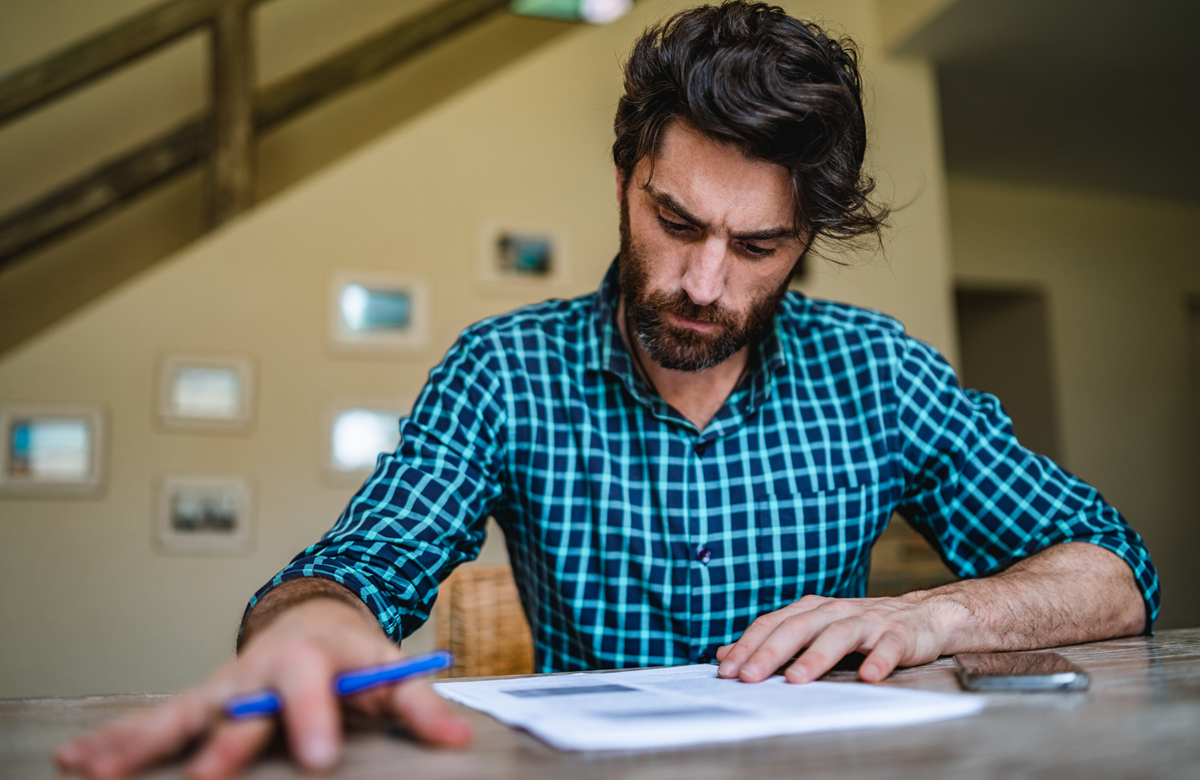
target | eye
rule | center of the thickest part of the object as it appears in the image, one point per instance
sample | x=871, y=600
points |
x=754, y=250
x=676, y=228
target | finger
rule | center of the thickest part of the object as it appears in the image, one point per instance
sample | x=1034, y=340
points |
x=70, y=755
x=764, y=626
x=740, y=651
x=723, y=651
x=311, y=716
x=884, y=659
x=832, y=644
x=791, y=635
x=232, y=745
x=137, y=741
x=429, y=716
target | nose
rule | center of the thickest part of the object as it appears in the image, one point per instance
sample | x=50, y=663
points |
x=704, y=277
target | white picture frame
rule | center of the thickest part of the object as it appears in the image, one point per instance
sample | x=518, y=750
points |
x=55, y=450
x=378, y=312
x=204, y=515
x=206, y=392
x=353, y=470
x=498, y=270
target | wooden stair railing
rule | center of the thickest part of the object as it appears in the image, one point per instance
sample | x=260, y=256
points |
x=226, y=134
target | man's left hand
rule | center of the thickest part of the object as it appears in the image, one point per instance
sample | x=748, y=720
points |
x=1067, y=593
x=905, y=631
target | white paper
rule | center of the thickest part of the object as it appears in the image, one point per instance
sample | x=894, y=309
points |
x=687, y=705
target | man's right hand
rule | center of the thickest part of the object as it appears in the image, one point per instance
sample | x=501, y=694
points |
x=297, y=653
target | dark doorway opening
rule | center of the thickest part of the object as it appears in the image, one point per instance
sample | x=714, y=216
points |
x=1004, y=338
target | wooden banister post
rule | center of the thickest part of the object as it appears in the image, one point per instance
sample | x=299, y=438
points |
x=232, y=166
x=223, y=135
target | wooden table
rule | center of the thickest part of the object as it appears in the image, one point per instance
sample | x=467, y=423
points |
x=1141, y=719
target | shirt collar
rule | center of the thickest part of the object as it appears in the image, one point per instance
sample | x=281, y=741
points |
x=610, y=353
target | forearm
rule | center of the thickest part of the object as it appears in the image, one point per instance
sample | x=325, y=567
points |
x=293, y=592
x=1068, y=593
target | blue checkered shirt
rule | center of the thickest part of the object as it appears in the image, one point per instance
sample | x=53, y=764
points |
x=638, y=540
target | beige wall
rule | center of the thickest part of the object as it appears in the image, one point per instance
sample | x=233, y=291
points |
x=56, y=143
x=141, y=100
x=1117, y=272
x=86, y=602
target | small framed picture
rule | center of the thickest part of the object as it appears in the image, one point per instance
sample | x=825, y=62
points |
x=517, y=254
x=378, y=312
x=204, y=515
x=358, y=432
x=49, y=449
x=206, y=393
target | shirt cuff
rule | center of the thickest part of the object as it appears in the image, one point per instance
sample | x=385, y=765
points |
x=353, y=579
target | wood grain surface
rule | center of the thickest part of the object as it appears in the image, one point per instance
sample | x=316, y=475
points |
x=1141, y=719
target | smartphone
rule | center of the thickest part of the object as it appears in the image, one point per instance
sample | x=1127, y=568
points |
x=993, y=672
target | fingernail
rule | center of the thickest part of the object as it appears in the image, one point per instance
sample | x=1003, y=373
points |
x=319, y=752
x=67, y=754
x=727, y=669
x=750, y=670
x=797, y=674
x=456, y=733
x=203, y=767
x=106, y=766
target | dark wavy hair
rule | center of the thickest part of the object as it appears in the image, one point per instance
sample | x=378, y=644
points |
x=776, y=88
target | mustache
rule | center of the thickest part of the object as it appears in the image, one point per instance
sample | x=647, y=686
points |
x=681, y=305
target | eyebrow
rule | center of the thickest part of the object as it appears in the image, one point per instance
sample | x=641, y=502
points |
x=669, y=202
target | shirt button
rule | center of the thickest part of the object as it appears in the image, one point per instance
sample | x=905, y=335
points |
x=704, y=555
x=701, y=447
x=703, y=658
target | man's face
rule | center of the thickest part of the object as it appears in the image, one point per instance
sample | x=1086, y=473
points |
x=707, y=248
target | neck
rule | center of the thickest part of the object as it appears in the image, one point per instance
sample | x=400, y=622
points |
x=697, y=395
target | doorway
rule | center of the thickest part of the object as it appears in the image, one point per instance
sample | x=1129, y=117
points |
x=1004, y=338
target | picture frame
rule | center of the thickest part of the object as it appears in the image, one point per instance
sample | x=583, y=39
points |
x=52, y=449
x=378, y=312
x=356, y=431
x=516, y=254
x=204, y=515
x=206, y=392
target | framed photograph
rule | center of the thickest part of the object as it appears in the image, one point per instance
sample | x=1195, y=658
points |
x=204, y=515
x=378, y=312
x=516, y=254
x=358, y=432
x=52, y=450
x=206, y=393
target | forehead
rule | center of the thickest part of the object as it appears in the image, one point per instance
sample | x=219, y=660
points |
x=717, y=182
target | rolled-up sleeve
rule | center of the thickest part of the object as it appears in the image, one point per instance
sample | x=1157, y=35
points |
x=980, y=497
x=423, y=510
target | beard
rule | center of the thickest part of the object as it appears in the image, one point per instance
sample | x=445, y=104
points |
x=684, y=349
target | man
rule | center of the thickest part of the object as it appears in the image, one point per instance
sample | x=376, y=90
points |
x=691, y=463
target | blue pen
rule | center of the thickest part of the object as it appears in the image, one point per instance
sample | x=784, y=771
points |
x=263, y=703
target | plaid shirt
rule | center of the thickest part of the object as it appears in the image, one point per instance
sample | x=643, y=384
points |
x=638, y=540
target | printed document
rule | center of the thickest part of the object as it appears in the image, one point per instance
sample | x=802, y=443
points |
x=687, y=705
